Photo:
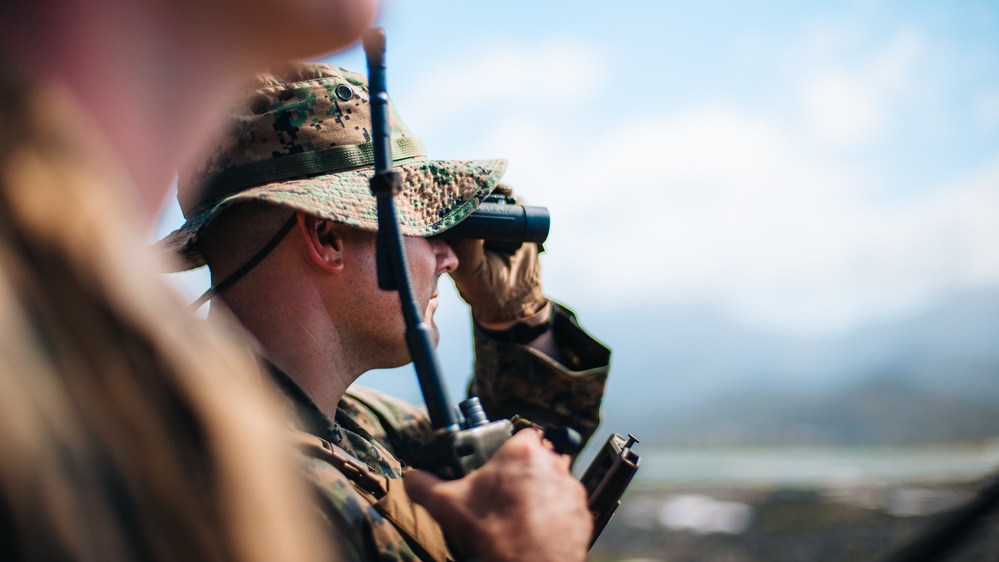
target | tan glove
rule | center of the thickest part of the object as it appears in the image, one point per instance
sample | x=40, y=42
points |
x=501, y=289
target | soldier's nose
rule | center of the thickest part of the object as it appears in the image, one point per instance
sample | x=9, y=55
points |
x=447, y=260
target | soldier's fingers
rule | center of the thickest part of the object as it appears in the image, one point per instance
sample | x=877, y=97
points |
x=564, y=462
x=420, y=485
x=529, y=439
x=470, y=254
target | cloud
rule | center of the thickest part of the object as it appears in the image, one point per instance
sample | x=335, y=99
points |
x=838, y=109
x=850, y=105
x=507, y=79
x=986, y=110
x=716, y=204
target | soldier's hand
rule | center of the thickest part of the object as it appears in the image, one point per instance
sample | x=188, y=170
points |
x=500, y=288
x=523, y=504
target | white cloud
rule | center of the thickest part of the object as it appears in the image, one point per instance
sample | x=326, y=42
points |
x=511, y=79
x=718, y=205
x=838, y=109
x=849, y=106
x=986, y=110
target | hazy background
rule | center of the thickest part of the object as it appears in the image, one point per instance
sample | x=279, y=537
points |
x=782, y=217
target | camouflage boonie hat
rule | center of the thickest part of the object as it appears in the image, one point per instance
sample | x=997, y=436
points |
x=300, y=137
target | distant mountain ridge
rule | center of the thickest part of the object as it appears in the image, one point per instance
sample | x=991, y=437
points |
x=692, y=375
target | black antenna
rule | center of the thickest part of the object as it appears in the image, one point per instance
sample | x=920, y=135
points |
x=393, y=273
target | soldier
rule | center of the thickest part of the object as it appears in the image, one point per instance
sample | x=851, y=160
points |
x=283, y=187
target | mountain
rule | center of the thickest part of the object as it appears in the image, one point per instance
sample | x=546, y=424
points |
x=693, y=375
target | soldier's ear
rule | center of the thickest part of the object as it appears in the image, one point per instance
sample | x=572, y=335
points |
x=324, y=242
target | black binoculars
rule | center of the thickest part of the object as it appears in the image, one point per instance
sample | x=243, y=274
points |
x=503, y=224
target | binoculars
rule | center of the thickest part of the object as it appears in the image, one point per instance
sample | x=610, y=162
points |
x=503, y=224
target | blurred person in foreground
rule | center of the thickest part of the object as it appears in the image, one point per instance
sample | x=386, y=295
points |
x=115, y=443
x=283, y=186
x=128, y=430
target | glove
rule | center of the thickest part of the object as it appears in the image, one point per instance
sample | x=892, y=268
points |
x=502, y=289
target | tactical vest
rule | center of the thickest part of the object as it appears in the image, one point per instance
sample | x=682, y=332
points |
x=387, y=495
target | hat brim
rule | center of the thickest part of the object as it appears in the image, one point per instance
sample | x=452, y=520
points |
x=436, y=195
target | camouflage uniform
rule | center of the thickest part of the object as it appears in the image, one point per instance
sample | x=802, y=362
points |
x=385, y=433
x=299, y=138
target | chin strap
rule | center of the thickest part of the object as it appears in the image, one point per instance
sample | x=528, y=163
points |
x=246, y=267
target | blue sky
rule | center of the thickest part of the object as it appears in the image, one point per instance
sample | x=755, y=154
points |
x=805, y=168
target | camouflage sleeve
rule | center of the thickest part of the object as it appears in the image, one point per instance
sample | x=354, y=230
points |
x=511, y=378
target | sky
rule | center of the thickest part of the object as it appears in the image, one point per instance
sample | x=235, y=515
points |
x=806, y=168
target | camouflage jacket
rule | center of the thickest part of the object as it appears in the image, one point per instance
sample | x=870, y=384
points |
x=385, y=433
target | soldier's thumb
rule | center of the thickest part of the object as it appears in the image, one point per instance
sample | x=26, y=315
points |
x=421, y=487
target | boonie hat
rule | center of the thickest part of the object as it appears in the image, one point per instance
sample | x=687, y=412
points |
x=300, y=137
